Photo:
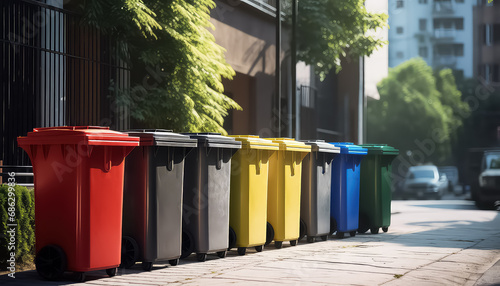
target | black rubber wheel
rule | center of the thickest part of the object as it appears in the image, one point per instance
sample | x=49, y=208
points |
x=242, y=250
x=222, y=254
x=385, y=228
x=339, y=234
x=324, y=237
x=311, y=239
x=187, y=244
x=293, y=242
x=201, y=257
x=111, y=272
x=269, y=234
x=174, y=262
x=80, y=276
x=352, y=233
x=278, y=244
x=259, y=248
x=147, y=266
x=130, y=252
x=374, y=230
x=303, y=229
x=362, y=230
x=51, y=262
x=232, y=238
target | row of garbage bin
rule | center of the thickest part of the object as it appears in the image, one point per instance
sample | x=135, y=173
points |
x=198, y=192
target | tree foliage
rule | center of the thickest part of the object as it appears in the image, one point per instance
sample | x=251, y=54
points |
x=329, y=30
x=417, y=110
x=177, y=67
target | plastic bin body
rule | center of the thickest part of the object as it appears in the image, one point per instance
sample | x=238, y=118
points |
x=248, y=199
x=316, y=187
x=78, y=177
x=285, y=176
x=345, y=187
x=152, y=203
x=375, y=188
x=206, y=191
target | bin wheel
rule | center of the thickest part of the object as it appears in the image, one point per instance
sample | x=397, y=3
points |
x=352, y=233
x=374, y=230
x=222, y=254
x=259, y=248
x=51, y=262
x=278, y=244
x=232, y=238
x=111, y=272
x=174, y=262
x=324, y=237
x=201, y=257
x=187, y=244
x=303, y=229
x=310, y=239
x=385, y=228
x=130, y=252
x=293, y=242
x=269, y=234
x=147, y=266
x=80, y=276
x=339, y=234
x=362, y=230
x=242, y=250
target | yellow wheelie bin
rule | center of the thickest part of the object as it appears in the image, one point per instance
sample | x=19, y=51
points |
x=248, y=197
x=283, y=197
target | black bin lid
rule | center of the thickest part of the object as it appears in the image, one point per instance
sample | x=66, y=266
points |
x=214, y=140
x=162, y=137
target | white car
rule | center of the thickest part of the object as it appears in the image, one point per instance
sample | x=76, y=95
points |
x=424, y=182
x=488, y=194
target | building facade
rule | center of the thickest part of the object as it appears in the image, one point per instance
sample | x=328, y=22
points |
x=487, y=41
x=439, y=31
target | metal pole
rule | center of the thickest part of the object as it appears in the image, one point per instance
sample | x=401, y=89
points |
x=295, y=116
x=278, y=63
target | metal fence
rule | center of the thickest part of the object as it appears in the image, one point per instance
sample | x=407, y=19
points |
x=54, y=71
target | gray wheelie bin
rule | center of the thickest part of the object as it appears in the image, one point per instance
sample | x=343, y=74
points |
x=152, y=199
x=206, y=195
x=315, y=191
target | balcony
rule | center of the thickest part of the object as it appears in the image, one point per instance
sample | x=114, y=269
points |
x=445, y=33
x=445, y=60
x=443, y=8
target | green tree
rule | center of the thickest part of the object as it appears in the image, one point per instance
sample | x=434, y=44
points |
x=177, y=67
x=329, y=30
x=417, y=111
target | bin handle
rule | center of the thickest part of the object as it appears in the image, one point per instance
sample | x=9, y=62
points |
x=293, y=164
x=324, y=163
x=107, y=160
x=219, y=160
x=259, y=161
x=170, y=159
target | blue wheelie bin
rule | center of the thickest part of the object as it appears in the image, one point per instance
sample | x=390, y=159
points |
x=344, y=208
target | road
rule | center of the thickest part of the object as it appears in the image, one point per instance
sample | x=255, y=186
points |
x=447, y=242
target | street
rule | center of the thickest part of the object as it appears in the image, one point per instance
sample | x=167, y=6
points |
x=447, y=242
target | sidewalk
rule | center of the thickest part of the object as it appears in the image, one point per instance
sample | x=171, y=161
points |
x=428, y=243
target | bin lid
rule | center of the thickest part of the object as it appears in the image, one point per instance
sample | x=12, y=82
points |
x=381, y=149
x=350, y=148
x=289, y=144
x=89, y=135
x=214, y=140
x=255, y=142
x=161, y=137
x=321, y=146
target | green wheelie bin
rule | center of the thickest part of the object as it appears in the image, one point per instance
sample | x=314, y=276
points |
x=375, y=188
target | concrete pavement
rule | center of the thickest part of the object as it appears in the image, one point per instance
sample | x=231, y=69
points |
x=446, y=242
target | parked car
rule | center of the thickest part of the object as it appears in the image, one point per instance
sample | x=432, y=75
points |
x=425, y=182
x=488, y=194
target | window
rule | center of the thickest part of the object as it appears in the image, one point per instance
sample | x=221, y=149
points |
x=459, y=23
x=399, y=55
x=421, y=38
x=399, y=30
x=495, y=35
x=488, y=35
x=422, y=1
x=423, y=52
x=422, y=24
x=459, y=1
x=458, y=50
x=400, y=4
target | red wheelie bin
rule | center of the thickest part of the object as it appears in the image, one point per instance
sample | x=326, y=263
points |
x=78, y=176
